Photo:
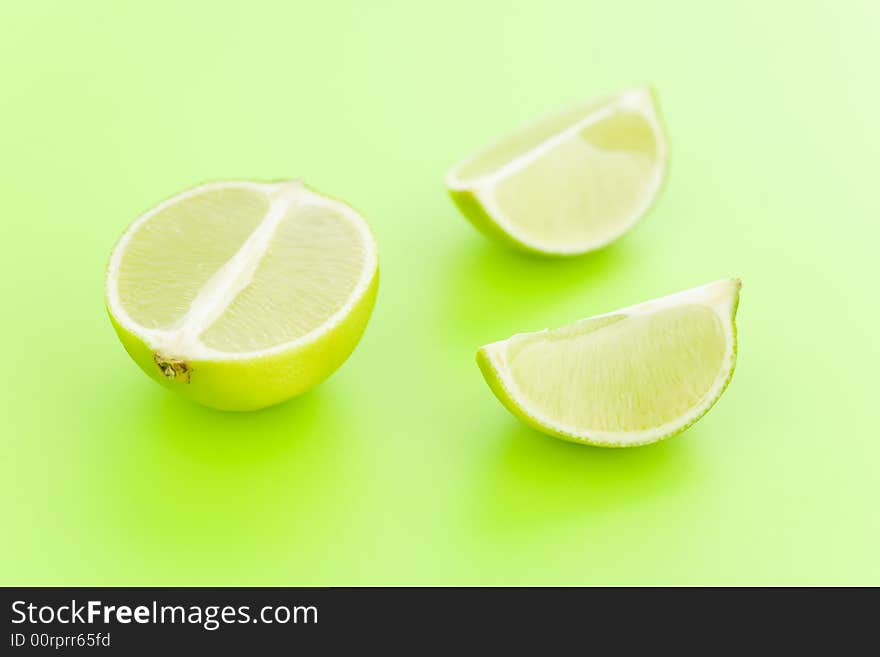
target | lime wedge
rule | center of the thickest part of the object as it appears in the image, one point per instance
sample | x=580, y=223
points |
x=570, y=183
x=630, y=377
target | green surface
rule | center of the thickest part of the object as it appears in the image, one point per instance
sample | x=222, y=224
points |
x=402, y=468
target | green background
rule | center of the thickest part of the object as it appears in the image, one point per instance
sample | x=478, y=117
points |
x=402, y=468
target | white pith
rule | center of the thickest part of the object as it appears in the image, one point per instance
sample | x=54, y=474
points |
x=719, y=296
x=483, y=187
x=236, y=274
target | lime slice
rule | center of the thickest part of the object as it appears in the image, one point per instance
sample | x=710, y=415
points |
x=570, y=183
x=630, y=377
x=240, y=295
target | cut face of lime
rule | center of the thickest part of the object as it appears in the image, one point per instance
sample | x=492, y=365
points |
x=242, y=294
x=630, y=377
x=570, y=183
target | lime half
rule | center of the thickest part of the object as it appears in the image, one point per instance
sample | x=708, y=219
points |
x=630, y=377
x=242, y=294
x=570, y=183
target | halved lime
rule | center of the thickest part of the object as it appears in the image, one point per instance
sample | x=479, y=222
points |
x=630, y=377
x=242, y=294
x=570, y=183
